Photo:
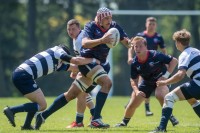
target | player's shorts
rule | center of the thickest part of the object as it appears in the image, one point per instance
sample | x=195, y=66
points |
x=23, y=81
x=147, y=88
x=190, y=90
x=84, y=69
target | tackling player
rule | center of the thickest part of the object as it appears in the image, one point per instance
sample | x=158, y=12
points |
x=189, y=61
x=53, y=59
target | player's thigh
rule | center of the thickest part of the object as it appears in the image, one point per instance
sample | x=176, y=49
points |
x=161, y=91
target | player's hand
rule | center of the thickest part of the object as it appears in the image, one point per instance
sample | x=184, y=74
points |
x=141, y=93
x=107, y=38
x=130, y=61
x=161, y=83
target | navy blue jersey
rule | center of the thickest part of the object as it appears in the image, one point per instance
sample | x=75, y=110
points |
x=153, y=68
x=153, y=41
x=93, y=31
x=45, y=62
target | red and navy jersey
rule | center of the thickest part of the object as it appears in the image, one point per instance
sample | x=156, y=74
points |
x=152, y=68
x=153, y=41
x=94, y=31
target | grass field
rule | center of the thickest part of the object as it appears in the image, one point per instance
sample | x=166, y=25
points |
x=112, y=113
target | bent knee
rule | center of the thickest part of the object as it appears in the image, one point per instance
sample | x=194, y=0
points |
x=42, y=106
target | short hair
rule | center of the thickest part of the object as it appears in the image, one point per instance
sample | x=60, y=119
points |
x=139, y=38
x=183, y=36
x=151, y=19
x=73, y=21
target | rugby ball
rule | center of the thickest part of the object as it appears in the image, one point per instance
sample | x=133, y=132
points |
x=115, y=36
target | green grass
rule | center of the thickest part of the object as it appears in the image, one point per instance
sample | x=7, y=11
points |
x=112, y=113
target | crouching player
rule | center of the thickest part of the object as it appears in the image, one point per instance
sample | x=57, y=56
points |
x=189, y=61
x=151, y=66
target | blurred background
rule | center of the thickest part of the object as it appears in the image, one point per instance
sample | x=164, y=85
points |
x=30, y=26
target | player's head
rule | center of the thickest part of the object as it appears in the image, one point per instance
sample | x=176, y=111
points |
x=151, y=24
x=104, y=17
x=182, y=37
x=73, y=28
x=139, y=44
x=65, y=48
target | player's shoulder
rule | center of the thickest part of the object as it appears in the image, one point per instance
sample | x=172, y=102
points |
x=158, y=34
x=140, y=34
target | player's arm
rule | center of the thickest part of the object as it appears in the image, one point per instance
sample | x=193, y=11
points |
x=88, y=43
x=130, y=55
x=174, y=79
x=172, y=65
x=164, y=50
x=134, y=85
x=78, y=60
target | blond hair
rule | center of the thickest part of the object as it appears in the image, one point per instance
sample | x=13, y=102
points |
x=138, y=39
x=183, y=36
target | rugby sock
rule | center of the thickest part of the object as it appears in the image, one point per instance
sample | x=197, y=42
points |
x=92, y=112
x=166, y=113
x=100, y=101
x=147, y=107
x=196, y=108
x=29, y=118
x=126, y=120
x=79, y=117
x=27, y=107
x=58, y=103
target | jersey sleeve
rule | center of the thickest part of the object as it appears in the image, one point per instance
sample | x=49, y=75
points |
x=183, y=61
x=88, y=33
x=161, y=42
x=166, y=59
x=61, y=54
x=121, y=32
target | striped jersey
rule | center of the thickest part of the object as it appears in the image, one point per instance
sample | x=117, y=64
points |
x=189, y=60
x=45, y=62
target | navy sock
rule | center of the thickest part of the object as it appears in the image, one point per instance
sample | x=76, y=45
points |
x=147, y=107
x=197, y=110
x=79, y=117
x=100, y=101
x=29, y=118
x=92, y=112
x=166, y=113
x=27, y=107
x=58, y=103
x=126, y=120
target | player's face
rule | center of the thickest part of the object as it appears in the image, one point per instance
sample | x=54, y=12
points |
x=139, y=48
x=106, y=22
x=151, y=26
x=73, y=31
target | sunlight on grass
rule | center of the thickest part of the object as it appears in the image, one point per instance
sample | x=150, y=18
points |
x=112, y=113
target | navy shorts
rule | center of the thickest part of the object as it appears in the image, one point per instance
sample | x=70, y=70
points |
x=190, y=90
x=147, y=88
x=84, y=69
x=23, y=81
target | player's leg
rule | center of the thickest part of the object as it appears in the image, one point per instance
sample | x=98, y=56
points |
x=147, y=107
x=133, y=104
x=58, y=103
x=80, y=106
x=195, y=105
x=27, y=86
x=160, y=93
x=99, y=76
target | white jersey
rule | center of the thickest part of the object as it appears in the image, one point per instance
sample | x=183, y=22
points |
x=45, y=62
x=189, y=60
x=77, y=43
